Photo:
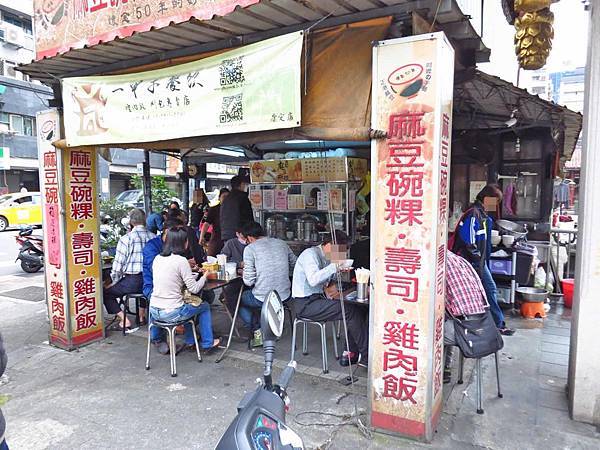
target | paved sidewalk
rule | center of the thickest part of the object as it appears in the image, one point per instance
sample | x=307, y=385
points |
x=101, y=396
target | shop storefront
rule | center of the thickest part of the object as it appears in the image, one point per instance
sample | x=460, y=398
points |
x=331, y=80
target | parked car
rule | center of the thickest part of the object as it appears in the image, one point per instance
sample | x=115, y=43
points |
x=22, y=208
x=134, y=198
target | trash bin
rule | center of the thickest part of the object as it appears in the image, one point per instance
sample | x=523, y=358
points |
x=568, y=287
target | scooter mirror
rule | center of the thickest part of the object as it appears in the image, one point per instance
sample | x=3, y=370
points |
x=272, y=317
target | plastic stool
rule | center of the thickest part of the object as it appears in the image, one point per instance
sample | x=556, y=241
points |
x=170, y=328
x=322, y=326
x=533, y=310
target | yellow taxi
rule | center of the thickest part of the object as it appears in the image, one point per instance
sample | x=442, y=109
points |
x=22, y=208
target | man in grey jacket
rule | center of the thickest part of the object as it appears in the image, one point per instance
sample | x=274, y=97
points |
x=3, y=361
x=268, y=265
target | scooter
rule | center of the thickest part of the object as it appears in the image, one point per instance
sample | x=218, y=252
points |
x=31, y=253
x=260, y=422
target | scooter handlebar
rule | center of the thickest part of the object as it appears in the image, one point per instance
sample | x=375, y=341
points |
x=287, y=374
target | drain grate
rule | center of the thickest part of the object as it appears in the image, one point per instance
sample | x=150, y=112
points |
x=31, y=293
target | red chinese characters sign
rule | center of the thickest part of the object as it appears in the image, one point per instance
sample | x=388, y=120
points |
x=412, y=102
x=71, y=243
x=64, y=24
x=83, y=250
x=54, y=265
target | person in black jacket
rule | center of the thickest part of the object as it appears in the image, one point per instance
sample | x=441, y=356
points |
x=236, y=209
x=3, y=362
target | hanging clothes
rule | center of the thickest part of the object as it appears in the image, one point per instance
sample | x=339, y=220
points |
x=561, y=193
x=509, y=199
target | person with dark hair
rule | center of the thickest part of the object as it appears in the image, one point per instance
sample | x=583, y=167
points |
x=234, y=250
x=127, y=267
x=195, y=252
x=268, y=263
x=152, y=249
x=197, y=210
x=472, y=241
x=213, y=218
x=465, y=299
x=3, y=362
x=154, y=222
x=315, y=269
x=174, y=205
x=236, y=210
x=171, y=273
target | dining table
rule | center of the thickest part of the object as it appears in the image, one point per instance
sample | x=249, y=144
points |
x=212, y=285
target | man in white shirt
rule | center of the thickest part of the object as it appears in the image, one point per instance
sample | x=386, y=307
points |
x=314, y=270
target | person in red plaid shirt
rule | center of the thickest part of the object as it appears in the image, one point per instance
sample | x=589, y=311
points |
x=465, y=296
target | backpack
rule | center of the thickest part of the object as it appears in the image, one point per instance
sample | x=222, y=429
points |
x=452, y=238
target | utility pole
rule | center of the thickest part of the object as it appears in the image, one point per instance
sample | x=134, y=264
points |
x=147, y=183
x=185, y=192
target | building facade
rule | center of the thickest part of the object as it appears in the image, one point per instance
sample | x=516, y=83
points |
x=20, y=99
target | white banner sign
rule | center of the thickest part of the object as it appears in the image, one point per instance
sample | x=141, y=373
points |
x=412, y=101
x=253, y=88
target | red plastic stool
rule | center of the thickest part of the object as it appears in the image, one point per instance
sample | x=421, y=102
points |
x=533, y=310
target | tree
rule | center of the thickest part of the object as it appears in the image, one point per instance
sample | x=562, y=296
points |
x=161, y=194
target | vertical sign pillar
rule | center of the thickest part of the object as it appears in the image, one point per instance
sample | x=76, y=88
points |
x=68, y=181
x=412, y=102
x=51, y=188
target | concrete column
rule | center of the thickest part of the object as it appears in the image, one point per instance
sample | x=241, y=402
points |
x=584, y=361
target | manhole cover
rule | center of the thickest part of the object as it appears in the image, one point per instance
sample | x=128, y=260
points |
x=31, y=293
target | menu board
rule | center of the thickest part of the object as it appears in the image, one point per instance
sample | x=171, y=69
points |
x=255, y=196
x=268, y=199
x=296, y=201
x=281, y=202
x=308, y=170
x=335, y=200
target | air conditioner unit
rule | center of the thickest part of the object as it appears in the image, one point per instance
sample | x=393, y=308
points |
x=14, y=36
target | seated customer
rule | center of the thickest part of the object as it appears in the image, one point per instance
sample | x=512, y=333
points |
x=234, y=250
x=126, y=271
x=152, y=249
x=155, y=221
x=195, y=252
x=268, y=263
x=465, y=297
x=315, y=267
x=171, y=273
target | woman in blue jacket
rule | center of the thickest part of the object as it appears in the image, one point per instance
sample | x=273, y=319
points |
x=473, y=242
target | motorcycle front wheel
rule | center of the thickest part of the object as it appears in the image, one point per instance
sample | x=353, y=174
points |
x=30, y=268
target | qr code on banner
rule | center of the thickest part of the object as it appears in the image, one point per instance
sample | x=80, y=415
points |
x=231, y=71
x=232, y=109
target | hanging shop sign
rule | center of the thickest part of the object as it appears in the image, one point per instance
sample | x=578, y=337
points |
x=412, y=101
x=61, y=25
x=253, y=88
x=71, y=242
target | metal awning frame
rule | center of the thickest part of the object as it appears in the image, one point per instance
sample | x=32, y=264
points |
x=266, y=19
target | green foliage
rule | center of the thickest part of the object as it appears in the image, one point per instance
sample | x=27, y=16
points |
x=161, y=194
x=115, y=229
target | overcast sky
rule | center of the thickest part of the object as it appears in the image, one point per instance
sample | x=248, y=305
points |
x=569, y=46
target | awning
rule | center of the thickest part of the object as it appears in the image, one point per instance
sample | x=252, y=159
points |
x=261, y=20
x=483, y=101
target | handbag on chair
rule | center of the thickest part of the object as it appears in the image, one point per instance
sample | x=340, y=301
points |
x=477, y=336
x=192, y=299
